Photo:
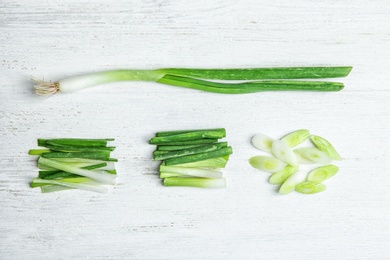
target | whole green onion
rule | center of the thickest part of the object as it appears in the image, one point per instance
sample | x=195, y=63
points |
x=255, y=79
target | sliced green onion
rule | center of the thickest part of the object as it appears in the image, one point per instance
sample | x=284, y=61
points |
x=54, y=188
x=175, y=132
x=309, y=187
x=262, y=142
x=301, y=159
x=280, y=176
x=313, y=154
x=75, y=142
x=38, y=151
x=195, y=182
x=191, y=78
x=289, y=184
x=283, y=152
x=322, y=173
x=95, y=175
x=296, y=138
x=196, y=172
x=326, y=146
x=191, y=142
x=266, y=163
x=178, y=147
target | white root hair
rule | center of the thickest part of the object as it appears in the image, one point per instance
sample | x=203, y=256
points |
x=44, y=88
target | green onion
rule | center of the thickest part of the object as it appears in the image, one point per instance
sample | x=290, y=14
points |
x=262, y=142
x=309, y=187
x=261, y=79
x=280, y=176
x=75, y=142
x=289, y=184
x=283, y=152
x=188, y=161
x=313, y=154
x=266, y=163
x=81, y=186
x=323, y=173
x=195, y=182
x=196, y=172
x=296, y=138
x=326, y=146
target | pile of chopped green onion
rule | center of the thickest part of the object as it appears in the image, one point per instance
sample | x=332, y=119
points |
x=285, y=158
x=211, y=80
x=192, y=158
x=71, y=163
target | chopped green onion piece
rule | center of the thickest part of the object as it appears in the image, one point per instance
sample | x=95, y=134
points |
x=168, y=133
x=280, y=176
x=214, y=163
x=262, y=142
x=190, y=136
x=196, y=172
x=266, y=163
x=199, y=157
x=313, y=154
x=38, y=151
x=296, y=138
x=301, y=159
x=289, y=184
x=283, y=152
x=81, y=186
x=309, y=187
x=54, y=188
x=96, y=175
x=75, y=142
x=103, y=155
x=195, y=182
x=178, y=147
x=326, y=146
x=322, y=173
x=191, y=142
x=162, y=155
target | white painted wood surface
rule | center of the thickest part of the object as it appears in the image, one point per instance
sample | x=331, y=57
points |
x=140, y=219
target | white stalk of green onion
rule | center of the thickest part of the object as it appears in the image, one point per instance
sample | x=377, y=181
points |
x=255, y=79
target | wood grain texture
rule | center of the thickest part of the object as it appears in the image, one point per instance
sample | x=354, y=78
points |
x=140, y=219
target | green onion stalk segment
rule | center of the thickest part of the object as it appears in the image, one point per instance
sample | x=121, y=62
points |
x=252, y=79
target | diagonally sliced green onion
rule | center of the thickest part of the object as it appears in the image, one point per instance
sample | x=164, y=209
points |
x=289, y=184
x=189, y=78
x=95, y=175
x=313, y=154
x=196, y=172
x=280, y=176
x=266, y=163
x=262, y=142
x=283, y=152
x=309, y=187
x=322, y=173
x=262, y=73
x=296, y=138
x=195, y=182
x=326, y=146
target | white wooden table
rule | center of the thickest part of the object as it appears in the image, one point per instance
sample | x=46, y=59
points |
x=141, y=219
